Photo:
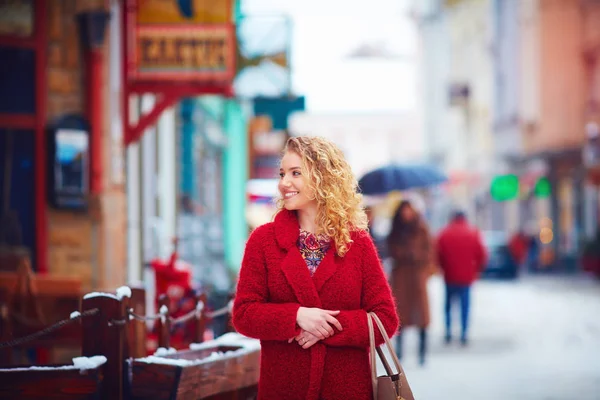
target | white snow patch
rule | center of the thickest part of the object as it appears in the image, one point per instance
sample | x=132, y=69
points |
x=246, y=344
x=89, y=362
x=164, y=311
x=99, y=294
x=161, y=351
x=229, y=339
x=199, y=309
x=80, y=363
x=164, y=361
x=215, y=355
x=75, y=314
x=123, y=291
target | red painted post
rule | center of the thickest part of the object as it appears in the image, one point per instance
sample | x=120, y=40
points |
x=104, y=334
x=125, y=40
x=41, y=93
x=95, y=111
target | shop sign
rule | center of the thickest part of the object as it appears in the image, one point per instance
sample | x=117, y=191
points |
x=190, y=44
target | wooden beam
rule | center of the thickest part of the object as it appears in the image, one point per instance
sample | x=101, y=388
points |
x=17, y=121
x=46, y=285
x=14, y=41
x=166, y=99
x=184, y=90
x=133, y=133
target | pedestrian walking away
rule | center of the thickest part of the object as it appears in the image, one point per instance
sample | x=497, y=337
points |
x=309, y=278
x=461, y=257
x=411, y=248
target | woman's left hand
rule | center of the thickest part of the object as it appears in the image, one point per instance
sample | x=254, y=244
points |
x=305, y=339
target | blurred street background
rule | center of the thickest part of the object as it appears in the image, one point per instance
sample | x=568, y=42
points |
x=538, y=338
x=140, y=142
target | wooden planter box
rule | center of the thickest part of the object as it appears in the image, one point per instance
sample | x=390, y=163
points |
x=234, y=376
x=51, y=383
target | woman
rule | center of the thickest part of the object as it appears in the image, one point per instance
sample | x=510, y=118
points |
x=410, y=247
x=308, y=280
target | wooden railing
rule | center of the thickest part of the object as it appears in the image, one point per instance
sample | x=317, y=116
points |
x=112, y=328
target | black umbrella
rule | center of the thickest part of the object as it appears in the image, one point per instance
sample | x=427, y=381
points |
x=400, y=177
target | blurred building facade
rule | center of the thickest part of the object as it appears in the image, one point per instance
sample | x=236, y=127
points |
x=457, y=100
x=546, y=91
x=509, y=87
x=46, y=76
x=187, y=172
x=135, y=203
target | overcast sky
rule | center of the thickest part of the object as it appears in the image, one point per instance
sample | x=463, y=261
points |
x=326, y=32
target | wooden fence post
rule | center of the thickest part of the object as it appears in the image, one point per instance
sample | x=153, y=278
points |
x=230, y=327
x=164, y=325
x=104, y=334
x=200, y=320
x=137, y=331
x=5, y=334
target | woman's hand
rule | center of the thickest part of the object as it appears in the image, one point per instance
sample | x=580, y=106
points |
x=305, y=339
x=317, y=321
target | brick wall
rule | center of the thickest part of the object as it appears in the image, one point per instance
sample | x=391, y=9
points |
x=89, y=245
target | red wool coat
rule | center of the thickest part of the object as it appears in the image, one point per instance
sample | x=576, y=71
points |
x=461, y=253
x=274, y=282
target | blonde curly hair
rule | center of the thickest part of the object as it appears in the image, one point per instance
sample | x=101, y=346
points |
x=328, y=174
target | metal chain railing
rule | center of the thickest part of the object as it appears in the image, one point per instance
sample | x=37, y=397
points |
x=144, y=318
x=47, y=330
x=195, y=313
x=221, y=311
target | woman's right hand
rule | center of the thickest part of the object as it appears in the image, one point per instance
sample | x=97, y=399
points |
x=317, y=321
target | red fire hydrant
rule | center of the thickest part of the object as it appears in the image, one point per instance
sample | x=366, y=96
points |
x=173, y=277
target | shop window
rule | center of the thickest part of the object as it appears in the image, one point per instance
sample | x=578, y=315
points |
x=17, y=213
x=17, y=80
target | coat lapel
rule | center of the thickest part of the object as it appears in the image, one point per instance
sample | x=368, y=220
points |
x=326, y=269
x=293, y=265
x=296, y=272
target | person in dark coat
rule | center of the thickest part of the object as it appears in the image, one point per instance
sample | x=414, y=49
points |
x=411, y=249
x=462, y=257
x=308, y=280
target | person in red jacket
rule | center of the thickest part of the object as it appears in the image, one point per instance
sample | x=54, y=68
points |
x=308, y=280
x=462, y=257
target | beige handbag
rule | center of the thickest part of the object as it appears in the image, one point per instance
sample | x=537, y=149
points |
x=390, y=386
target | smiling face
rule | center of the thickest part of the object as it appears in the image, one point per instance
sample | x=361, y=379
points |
x=293, y=186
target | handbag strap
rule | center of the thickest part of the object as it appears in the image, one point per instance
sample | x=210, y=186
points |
x=388, y=343
x=397, y=378
x=372, y=355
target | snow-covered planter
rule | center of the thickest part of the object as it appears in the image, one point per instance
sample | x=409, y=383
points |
x=227, y=364
x=82, y=380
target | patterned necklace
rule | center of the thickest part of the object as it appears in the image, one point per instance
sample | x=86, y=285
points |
x=313, y=248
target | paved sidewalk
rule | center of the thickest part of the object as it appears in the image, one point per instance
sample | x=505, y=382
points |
x=537, y=339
